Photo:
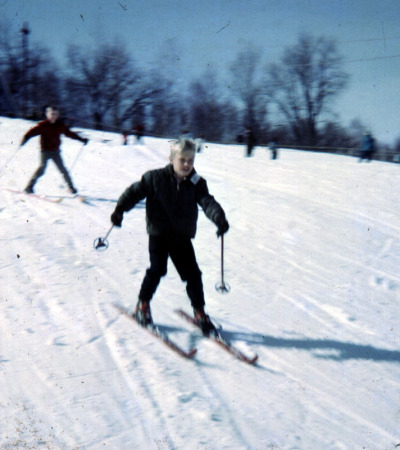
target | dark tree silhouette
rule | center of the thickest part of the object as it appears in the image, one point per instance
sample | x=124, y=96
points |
x=247, y=87
x=304, y=83
x=106, y=81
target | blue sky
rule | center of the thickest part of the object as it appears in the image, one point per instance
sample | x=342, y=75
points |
x=199, y=33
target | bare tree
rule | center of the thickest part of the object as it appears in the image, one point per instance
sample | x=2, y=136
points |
x=11, y=70
x=308, y=77
x=106, y=82
x=27, y=84
x=246, y=85
x=165, y=111
x=334, y=136
x=207, y=108
x=45, y=83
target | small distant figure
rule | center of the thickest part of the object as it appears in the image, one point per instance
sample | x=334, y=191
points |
x=125, y=136
x=50, y=131
x=250, y=141
x=368, y=148
x=186, y=134
x=273, y=149
x=239, y=138
x=139, y=132
x=199, y=144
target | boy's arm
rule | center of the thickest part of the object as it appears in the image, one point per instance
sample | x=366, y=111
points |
x=212, y=209
x=71, y=134
x=35, y=131
x=128, y=199
x=132, y=195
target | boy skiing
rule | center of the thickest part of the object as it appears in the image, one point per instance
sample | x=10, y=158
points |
x=50, y=131
x=172, y=198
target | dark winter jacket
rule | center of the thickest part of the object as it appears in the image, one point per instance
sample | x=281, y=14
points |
x=50, y=135
x=368, y=143
x=171, y=208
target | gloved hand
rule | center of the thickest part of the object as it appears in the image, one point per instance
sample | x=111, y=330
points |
x=222, y=224
x=117, y=216
x=85, y=141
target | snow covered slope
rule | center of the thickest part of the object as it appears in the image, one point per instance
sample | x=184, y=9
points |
x=312, y=258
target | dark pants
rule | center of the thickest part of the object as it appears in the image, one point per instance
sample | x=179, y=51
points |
x=366, y=154
x=182, y=254
x=249, y=149
x=44, y=158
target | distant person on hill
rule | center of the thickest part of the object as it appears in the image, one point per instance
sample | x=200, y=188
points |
x=274, y=150
x=125, y=136
x=186, y=134
x=173, y=194
x=250, y=141
x=50, y=131
x=368, y=148
x=139, y=132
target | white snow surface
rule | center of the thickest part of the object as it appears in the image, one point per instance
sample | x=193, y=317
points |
x=312, y=258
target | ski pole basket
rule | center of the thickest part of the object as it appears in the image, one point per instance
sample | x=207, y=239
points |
x=102, y=243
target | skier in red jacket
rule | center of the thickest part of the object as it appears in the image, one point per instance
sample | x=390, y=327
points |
x=50, y=131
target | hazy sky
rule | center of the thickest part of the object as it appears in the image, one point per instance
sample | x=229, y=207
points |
x=198, y=33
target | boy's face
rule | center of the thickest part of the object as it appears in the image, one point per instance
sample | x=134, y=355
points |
x=183, y=164
x=52, y=114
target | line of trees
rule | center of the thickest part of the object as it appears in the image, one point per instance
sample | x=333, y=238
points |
x=288, y=101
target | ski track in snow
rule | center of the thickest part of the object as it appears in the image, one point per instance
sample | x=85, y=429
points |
x=312, y=259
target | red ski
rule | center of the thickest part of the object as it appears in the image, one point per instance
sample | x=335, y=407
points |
x=221, y=341
x=155, y=331
x=46, y=198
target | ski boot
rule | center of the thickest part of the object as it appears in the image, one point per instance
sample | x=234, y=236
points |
x=203, y=321
x=143, y=313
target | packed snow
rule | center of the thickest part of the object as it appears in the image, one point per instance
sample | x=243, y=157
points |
x=312, y=259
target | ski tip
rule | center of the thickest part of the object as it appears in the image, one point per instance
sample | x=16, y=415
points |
x=253, y=361
x=192, y=353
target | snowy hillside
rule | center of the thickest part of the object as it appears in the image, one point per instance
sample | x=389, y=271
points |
x=312, y=258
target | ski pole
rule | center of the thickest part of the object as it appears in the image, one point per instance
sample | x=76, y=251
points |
x=102, y=243
x=9, y=160
x=76, y=158
x=222, y=287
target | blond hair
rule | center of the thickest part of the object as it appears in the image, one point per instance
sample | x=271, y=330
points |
x=183, y=145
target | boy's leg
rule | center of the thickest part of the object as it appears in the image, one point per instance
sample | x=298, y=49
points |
x=158, y=252
x=184, y=258
x=44, y=157
x=56, y=157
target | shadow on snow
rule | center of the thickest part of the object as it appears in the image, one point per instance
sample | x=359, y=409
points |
x=321, y=348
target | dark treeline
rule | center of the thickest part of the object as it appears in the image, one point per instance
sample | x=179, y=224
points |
x=289, y=101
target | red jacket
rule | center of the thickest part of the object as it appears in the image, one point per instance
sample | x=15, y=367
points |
x=50, y=135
